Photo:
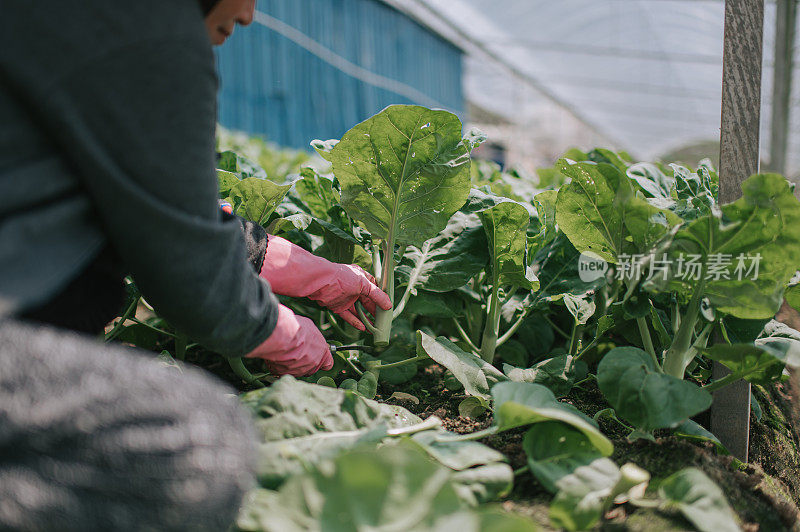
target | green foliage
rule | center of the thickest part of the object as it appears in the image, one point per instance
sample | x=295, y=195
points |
x=765, y=222
x=518, y=404
x=640, y=393
x=256, y=199
x=446, y=261
x=403, y=173
x=599, y=212
x=506, y=231
x=756, y=364
x=487, y=263
x=475, y=374
x=299, y=423
x=699, y=499
x=557, y=374
x=395, y=488
x=555, y=450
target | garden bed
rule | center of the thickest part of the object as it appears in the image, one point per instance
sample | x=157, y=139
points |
x=547, y=362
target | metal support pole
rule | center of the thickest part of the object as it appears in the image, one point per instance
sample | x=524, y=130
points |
x=739, y=158
x=785, y=17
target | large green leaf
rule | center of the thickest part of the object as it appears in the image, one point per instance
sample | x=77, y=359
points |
x=555, y=450
x=225, y=181
x=755, y=362
x=693, y=431
x=298, y=423
x=243, y=167
x=763, y=228
x=700, y=500
x=506, y=226
x=480, y=199
x=555, y=373
x=484, y=483
x=517, y=404
x=536, y=335
x=435, y=305
x=556, y=265
x=481, y=474
x=403, y=172
x=255, y=199
x=457, y=455
x=545, y=203
x=643, y=395
x=302, y=425
x=448, y=260
x=600, y=212
x=590, y=490
x=782, y=341
x=652, y=180
x=506, y=223
x=583, y=495
x=472, y=371
x=316, y=192
x=391, y=489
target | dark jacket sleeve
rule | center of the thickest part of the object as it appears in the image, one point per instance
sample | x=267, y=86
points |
x=136, y=123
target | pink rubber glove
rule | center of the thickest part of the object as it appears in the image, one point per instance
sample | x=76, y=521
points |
x=295, y=347
x=293, y=271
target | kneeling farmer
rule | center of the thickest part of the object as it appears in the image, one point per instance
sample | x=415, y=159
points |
x=107, y=120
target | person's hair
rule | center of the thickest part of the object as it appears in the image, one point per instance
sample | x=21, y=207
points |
x=207, y=5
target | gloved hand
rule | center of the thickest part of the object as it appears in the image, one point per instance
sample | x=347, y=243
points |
x=295, y=347
x=293, y=271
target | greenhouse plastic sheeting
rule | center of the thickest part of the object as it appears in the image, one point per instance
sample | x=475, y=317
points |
x=645, y=74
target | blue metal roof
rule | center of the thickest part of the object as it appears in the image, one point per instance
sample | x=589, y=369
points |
x=313, y=69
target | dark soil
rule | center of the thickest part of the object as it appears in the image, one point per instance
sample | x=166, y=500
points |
x=764, y=493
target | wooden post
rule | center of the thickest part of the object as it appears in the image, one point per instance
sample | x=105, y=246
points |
x=785, y=17
x=739, y=158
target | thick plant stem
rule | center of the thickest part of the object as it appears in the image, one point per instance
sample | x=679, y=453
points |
x=675, y=361
x=374, y=367
x=492, y=328
x=376, y=263
x=383, y=318
x=647, y=341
